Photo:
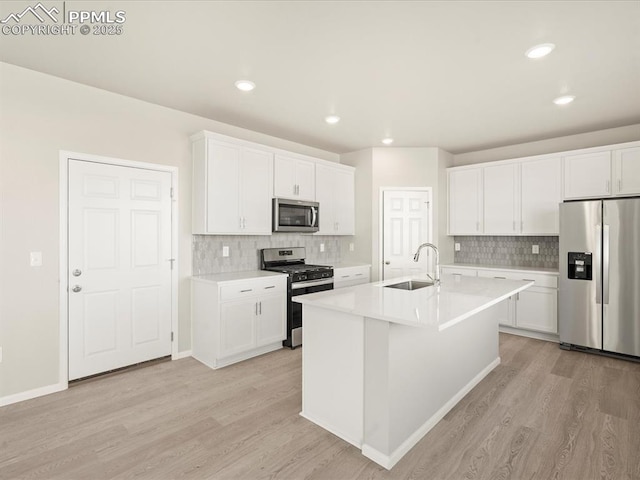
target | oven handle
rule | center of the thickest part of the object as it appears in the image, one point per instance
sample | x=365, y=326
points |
x=311, y=283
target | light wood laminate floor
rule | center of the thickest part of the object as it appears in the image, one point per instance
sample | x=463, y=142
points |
x=544, y=413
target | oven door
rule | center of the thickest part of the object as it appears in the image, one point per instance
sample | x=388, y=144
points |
x=294, y=330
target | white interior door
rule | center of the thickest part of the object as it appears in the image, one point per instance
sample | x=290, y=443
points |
x=406, y=224
x=119, y=271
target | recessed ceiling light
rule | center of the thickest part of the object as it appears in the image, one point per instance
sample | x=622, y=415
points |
x=563, y=100
x=245, y=85
x=541, y=50
x=332, y=119
x=387, y=141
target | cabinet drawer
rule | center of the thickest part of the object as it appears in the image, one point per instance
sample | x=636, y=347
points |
x=541, y=280
x=469, y=272
x=253, y=287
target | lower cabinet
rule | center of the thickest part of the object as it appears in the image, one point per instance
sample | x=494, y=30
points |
x=234, y=320
x=534, y=309
x=350, y=276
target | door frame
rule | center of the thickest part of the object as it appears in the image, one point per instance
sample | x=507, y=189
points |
x=428, y=190
x=65, y=156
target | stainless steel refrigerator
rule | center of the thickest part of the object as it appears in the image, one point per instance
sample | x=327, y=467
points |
x=599, y=288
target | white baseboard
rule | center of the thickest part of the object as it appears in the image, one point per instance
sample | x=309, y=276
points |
x=388, y=461
x=29, y=394
x=179, y=355
x=549, y=337
x=336, y=431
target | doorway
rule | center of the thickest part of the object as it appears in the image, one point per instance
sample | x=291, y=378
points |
x=118, y=271
x=406, y=223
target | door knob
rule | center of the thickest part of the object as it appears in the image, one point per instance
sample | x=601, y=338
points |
x=77, y=272
x=76, y=288
x=387, y=262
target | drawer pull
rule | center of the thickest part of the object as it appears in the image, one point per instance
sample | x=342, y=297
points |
x=270, y=286
x=528, y=279
x=501, y=278
x=247, y=290
x=359, y=274
x=345, y=276
x=459, y=274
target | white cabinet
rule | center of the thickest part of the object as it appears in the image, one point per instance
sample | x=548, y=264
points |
x=541, y=193
x=236, y=317
x=501, y=199
x=626, y=167
x=350, y=276
x=532, y=309
x=465, y=201
x=231, y=188
x=336, y=195
x=294, y=178
x=587, y=175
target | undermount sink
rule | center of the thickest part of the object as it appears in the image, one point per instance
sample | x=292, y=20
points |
x=410, y=285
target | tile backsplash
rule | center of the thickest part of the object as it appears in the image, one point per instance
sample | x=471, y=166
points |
x=508, y=251
x=244, y=250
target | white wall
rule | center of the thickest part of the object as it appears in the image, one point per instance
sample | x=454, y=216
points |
x=572, y=142
x=39, y=116
x=397, y=167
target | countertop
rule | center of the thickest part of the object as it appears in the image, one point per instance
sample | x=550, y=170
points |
x=236, y=276
x=548, y=271
x=457, y=298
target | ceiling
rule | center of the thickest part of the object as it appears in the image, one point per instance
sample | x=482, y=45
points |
x=448, y=74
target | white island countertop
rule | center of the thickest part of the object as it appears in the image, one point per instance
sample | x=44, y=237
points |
x=457, y=298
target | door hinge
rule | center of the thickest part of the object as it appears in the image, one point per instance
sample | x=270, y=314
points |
x=171, y=192
x=172, y=336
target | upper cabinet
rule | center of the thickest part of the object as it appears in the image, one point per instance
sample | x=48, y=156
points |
x=540, y=195
x=587, y=175
x=501, y=199
x=521, y=196
x=465, y=201
x=294, y=178
x=335, y=193
x=231, y=188
x=626, y=168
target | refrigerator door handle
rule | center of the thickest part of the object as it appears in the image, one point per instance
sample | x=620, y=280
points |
x=605, y=264
x=597, y=267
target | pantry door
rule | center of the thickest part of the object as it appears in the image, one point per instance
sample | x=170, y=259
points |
x=119, y=266
x=406, y=224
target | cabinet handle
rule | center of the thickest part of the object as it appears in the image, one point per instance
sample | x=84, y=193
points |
x=260, y=308
x=344, y=276
x=256, y=309
x=270, y=286
x=359, y=274
x=608, y=185
x=501, y=278
x=247, y=290
x=521, y=226
x=619, y=185
x=514, y=226
x=528, y=280
x=477, y=226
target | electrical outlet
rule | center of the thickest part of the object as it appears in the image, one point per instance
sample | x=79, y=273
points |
x=35, y=259
x=535, y=249
x=225, y=251
x=351, y=247
x=322, y=247
x=456, y=246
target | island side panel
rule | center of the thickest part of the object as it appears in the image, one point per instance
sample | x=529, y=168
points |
x=332, y=371
x=428, y=373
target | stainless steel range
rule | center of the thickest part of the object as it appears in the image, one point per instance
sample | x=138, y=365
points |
x=303, y=278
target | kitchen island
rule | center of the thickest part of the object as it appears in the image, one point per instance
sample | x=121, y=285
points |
x=381, y=366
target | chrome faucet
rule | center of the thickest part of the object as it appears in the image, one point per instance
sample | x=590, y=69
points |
x=416, y=257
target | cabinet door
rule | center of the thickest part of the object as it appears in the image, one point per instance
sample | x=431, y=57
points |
x=536, y=310
x=587, y=175
x=237, y=327
x=344, y=202
x=465, y=202
x=271, y=321
x=284, y=177
x=541, y=194
x=325, y=196
x=505, y=309
x=627, y=168
x=306, y=180
x=223, y=176
x=255, y=192
x=501, y=199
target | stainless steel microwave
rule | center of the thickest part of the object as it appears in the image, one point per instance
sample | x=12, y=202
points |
x=295, y=215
